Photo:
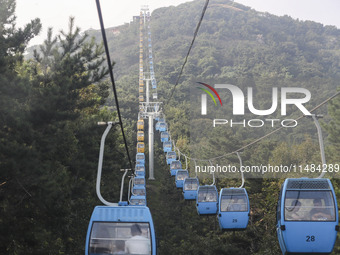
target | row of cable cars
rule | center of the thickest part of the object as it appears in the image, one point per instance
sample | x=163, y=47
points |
x=125, y=227
x=138, y=190
x=231, y=205
x=307, y=212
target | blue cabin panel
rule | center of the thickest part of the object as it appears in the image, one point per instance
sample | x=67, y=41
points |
x=234, y=209
x=164, y=136
x=170, y=156
x=175, y=165
x=207, y=200
x=190, y=187
x=111, y=229
x=138, y=200
x=181, y=175
x=140, y=158
x=140, y=170
x=307, y=216
x=312, y=237
x=167, y=146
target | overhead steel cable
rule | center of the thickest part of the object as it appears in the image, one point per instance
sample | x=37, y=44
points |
x=263, y=137
x=191, y=45
x=112, y=77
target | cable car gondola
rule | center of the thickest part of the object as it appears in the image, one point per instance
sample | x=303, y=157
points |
x=234, y=209
x=190, y=186
x=164, y=136
x=307, y=216
x=157, y=126
x=139, y=190
x=181, y=175
x=140, y=170
x=170, y=156
x=167, y=146
x=137, y=200
x=114, y=228
x=140, y=124
x=175, y=165
x=140, y=158
x=206, y=200
x=140, y=147
x=307, y=212
x=140, y=136
x=139, y=181
x=162, y=126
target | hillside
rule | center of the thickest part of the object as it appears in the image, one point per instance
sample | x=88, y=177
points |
x=235, y=45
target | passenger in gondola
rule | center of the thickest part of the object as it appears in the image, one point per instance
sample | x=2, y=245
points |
x=210, y=197
x=137, y=244
x=294, y=212
x=235, y=205
x=120, y=247
x=320, y=213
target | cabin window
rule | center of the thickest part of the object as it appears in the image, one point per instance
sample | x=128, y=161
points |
x=234, y=203
x=207, y=195
x=309, y=206
x=126, y=238
x=175, y=165
x=190, y=185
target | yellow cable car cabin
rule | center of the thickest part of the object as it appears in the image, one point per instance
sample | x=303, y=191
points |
x=140, y=124
x=140, y=136
x=141, y=89
x=140, y=147
x=141, y=98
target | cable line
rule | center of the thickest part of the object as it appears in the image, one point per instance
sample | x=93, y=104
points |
x=112, y=78
x=192, y=43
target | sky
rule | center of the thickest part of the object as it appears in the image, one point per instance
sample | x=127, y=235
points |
x=117, y=12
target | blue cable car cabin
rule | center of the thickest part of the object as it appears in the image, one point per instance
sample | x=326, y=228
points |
x=164, y=136
x=175, y=165
x=162, y=126
x=140, y=170
x=170, y=156
x=139, y=181
x=206, y=201
x=112, y=230
x=190, y=186
x=167, y=146
x=140, y=158
x=138, y=191
x=234, y=209
x=137, y=200
x=307, y=216
x=181, y=175
x=157, y=126
x=154, y=84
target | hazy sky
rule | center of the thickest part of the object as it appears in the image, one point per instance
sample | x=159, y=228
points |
x=116, y=12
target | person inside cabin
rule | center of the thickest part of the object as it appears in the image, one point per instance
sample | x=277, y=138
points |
x=235, y=205
x=137, y=244
x=294, y=212
x=319, y=212
x=120, y=247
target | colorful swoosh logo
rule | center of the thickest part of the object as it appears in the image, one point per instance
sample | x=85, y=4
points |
x=209, y=93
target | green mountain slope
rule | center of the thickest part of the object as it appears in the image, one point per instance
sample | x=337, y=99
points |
x=235, y=45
